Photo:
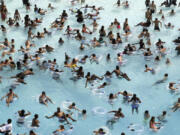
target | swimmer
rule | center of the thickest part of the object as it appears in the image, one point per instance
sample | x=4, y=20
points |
x=43, y=99
x=144, y=24
x=149, y=69
x=118, y=3
x=6, y=128
x=50, y=6
x=22, y=116
x=61, y=41
x=135, y=103
x=117, y=113
x=168, y=62
x=176, y=105
x=162, y=80
x=160, y=12
x=125, y=4
x=35, y=121
x=100, y=131
x=10, y=96
x=169, y=26
x=126, y=95
x=31, y=132
x=83, y=114
x=152, y=124
x=60, y=115
x=145, y=33
x=73, y=106
x=156, y=23
x=172, y=12
x=177, y=41
x=171, y=86
x=102, y=85
x=108, y=76
x=108, y=57
x=147, y=3
x=162, y=117
x=152, y=7
x=94, y=58
x=146, y=115
x=60, y=130
x=113, y=96
x=90, y=78
x=160, y=43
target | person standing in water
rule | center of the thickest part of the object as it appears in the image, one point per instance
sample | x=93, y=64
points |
x=10, y=96
x=156, y=23
x=135, y=103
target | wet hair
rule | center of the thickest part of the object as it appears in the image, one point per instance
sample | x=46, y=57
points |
x=101, y=130
x=9, y=121
x=108, y=73
x=146, y=112
x=111, y=96
x=31, y=132
x=108, y=56
x=164, y=112
x=73, y=104
x=36, y=116
x=44, y=92
x=152, y=119
x=119, y=109
x=62, y=126
x=125, y=92
x=105, y=83
x=83, y=111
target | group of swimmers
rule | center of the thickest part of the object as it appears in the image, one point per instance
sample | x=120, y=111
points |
x=106, y=37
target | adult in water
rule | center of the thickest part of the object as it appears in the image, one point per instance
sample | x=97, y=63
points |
x=100, y=131
x=152, y=124
x=35, y=121
x=162, y=80
x=176, y=105
x=126, y=95
x=73, y=106
x=22, y=116
x=117, y=115
x=135, y=103
x=149, y=69
x=60, y=115
x=43, y=99
x=10, y=96
x=6, y=128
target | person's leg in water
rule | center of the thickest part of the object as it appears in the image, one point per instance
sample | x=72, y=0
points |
x=132, y=110
x=137, y=110
x=110, y=123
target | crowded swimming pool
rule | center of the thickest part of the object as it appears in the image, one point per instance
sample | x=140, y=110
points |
x=41, y=84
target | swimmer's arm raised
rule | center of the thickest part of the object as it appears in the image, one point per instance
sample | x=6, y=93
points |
x=27, y=114
x=112, y=111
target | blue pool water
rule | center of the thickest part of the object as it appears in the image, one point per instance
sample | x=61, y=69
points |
x=154, y=98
